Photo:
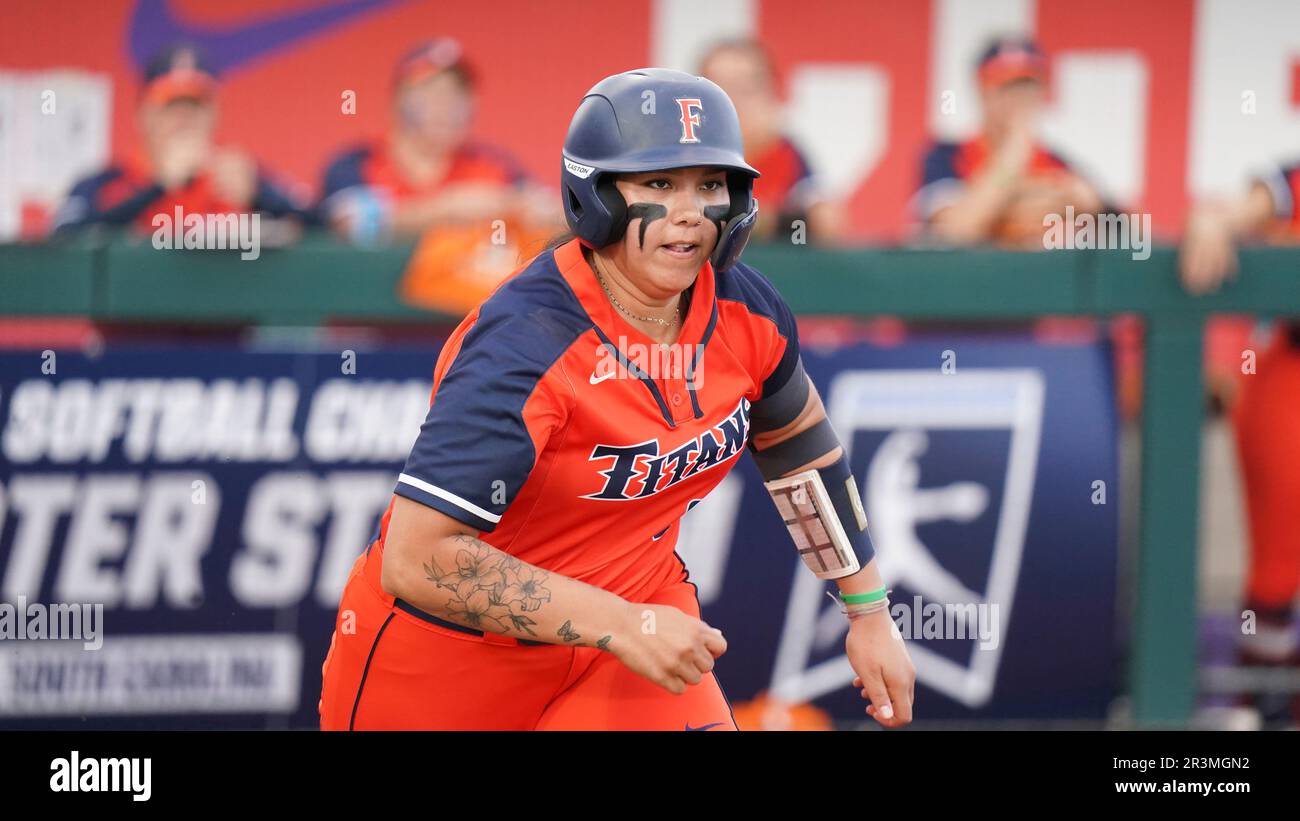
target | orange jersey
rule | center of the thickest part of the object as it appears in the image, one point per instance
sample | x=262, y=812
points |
x=555, y=434
x=949, y=165
x=374, y=166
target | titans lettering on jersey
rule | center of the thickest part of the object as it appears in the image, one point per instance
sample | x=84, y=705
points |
x=531, y=434
x=654, y=473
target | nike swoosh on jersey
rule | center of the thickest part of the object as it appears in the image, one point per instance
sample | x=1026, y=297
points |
x=703, y=726
x=154, y=24
x=593, y=380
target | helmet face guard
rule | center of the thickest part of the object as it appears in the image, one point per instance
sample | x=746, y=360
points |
x=732, y=237
x=653, y=119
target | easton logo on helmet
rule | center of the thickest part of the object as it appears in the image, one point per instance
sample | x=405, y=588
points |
x=689, y=119
x=578, y=169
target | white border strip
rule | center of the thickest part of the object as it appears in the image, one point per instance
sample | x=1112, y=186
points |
x=450, y=497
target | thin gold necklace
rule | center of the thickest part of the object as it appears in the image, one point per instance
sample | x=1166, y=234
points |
x=677, y=311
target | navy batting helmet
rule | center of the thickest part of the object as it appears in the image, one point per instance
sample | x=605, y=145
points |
x=653, y=119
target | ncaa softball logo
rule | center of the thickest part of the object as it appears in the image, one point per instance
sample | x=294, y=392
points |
x=690, y=119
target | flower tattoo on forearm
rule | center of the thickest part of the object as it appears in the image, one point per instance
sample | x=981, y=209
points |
x=491, y=590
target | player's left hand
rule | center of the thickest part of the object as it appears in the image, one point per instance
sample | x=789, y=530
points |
x=1208, y=255
x=885, y=677
x=234, y=177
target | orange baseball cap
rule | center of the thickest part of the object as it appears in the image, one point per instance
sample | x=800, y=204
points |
x=430, y=58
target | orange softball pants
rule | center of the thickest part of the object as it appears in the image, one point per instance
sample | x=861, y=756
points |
x=391, y=666
x=1268, y=442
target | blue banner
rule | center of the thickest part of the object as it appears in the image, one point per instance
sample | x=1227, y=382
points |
x=194, y=512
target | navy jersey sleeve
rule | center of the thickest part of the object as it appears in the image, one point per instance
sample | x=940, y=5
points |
x=940, y=180
x=344, y=172
x=84, y=205
x=939, y=164
x=786, y=355
x=777, y=347
x=271, y=199
x=1282, y=183
x=494, y=409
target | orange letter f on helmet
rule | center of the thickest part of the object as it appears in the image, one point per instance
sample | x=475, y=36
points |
x=690, y=118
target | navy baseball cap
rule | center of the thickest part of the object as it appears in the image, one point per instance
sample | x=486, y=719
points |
x=178, y=72
x=1011, y=58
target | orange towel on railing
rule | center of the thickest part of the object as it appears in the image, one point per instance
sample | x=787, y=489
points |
x=455, y=268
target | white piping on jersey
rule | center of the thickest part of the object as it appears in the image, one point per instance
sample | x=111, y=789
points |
x=450, y=497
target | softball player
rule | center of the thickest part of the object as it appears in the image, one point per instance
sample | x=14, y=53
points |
x=1267, y=426
x=524, y=575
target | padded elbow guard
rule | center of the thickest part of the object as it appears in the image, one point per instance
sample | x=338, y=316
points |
x=821, y=507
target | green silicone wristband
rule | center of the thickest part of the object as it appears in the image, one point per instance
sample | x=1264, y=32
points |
x=863, y=598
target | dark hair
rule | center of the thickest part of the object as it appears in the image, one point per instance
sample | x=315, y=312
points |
x=558, y=240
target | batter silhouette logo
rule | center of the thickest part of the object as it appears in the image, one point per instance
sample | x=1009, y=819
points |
x=947, y=544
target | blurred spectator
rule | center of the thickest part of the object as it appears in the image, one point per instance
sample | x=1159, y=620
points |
x=1268, y=210
x=427, y=172
x=999, y=185
x=787, y=189
x=177, y=163
x=1267, y=422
